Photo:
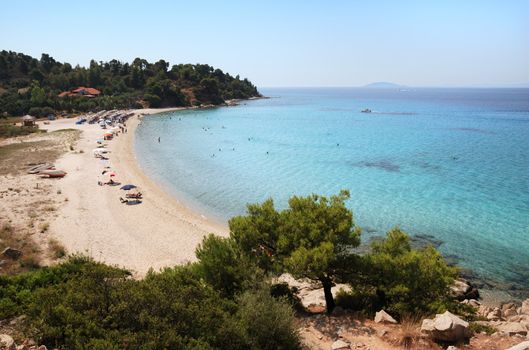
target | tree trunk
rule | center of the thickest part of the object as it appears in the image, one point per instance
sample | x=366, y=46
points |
x=329, y=300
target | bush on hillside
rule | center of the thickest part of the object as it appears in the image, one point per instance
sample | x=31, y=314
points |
x=225, y=267
x=403, y=280
x=81, y=304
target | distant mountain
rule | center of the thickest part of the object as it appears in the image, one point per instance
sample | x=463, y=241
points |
x=383, y=85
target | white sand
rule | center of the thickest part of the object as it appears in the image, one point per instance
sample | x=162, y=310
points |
x=159, y=232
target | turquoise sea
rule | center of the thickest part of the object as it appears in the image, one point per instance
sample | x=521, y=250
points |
x=449, y=166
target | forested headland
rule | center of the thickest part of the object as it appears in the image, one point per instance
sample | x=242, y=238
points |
x=30, y=85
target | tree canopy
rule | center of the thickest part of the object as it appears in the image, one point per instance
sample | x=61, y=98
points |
x=312, y=238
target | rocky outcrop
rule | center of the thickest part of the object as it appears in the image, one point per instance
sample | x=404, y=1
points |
x=461, y=289
x=7, y=343
x=525, y=307
x=494, y=314
x=383, y=317
x=446, y=327
x=512, y=328
x=509, y=319
x=507, y=312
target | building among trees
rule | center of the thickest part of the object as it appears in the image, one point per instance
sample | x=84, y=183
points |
x=81, y=91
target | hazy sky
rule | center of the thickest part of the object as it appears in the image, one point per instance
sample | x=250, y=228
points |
x=288, y=43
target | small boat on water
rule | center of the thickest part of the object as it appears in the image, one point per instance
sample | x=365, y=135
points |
x=52, y=173
x=367, y=110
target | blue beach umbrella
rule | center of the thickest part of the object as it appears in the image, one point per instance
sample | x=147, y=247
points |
x=128, y=187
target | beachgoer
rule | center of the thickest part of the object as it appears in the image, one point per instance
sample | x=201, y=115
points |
x=158, y=140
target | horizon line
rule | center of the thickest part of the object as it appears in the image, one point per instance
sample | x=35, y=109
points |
x=515, y=86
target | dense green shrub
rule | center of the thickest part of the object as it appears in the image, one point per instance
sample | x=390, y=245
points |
x=272, y=321
x=225, y=267
x=403, y=280
x=10, y=130
x=81, y=304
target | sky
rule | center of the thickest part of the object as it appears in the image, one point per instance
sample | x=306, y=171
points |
x=288, y=43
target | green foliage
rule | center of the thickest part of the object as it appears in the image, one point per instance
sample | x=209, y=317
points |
x=18, y=289
x=272, y=321
x=38, y=95
x=81, y=304
x=477, y=328
x=406, y=280
x=360, y=299
x=123, y=85
x=10, y=130
x=225, y=267
x=208, y=91
x=312, y=238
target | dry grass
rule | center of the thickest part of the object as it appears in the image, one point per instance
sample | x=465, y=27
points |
x=6, y=232
x=30, y=204
x=44, y=227
x=409, y=335
x=12, y=237
x=15, y=157
x=56, y=248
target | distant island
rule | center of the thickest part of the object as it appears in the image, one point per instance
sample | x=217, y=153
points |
x=383, y=85
x=41, y=87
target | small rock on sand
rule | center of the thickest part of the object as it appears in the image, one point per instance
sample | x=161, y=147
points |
x=340, y=344
x=383, y=317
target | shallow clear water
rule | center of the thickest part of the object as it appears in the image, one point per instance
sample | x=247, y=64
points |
x=449, y=163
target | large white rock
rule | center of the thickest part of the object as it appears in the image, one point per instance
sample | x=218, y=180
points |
x=446, y=327
x=512, y=328
x=339, y=344
x=521, y=346
x=7, y=343
x=383, y=317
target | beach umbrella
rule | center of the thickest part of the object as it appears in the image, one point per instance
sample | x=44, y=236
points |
x=128, y=187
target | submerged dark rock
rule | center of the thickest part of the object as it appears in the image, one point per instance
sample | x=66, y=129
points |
x=380, y=164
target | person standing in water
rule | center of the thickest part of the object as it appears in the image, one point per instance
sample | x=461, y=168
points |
x=158, y=139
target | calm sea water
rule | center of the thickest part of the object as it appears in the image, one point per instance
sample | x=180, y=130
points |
x=447, y=165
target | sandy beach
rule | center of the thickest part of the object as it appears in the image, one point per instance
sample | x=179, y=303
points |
x=159, y=232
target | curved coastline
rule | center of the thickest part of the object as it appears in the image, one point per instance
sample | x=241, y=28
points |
x=160, y=232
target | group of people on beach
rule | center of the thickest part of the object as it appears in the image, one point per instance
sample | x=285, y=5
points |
x=117, y=123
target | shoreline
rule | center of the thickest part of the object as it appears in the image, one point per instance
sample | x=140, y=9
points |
x=160, y=232
x=172, y=227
